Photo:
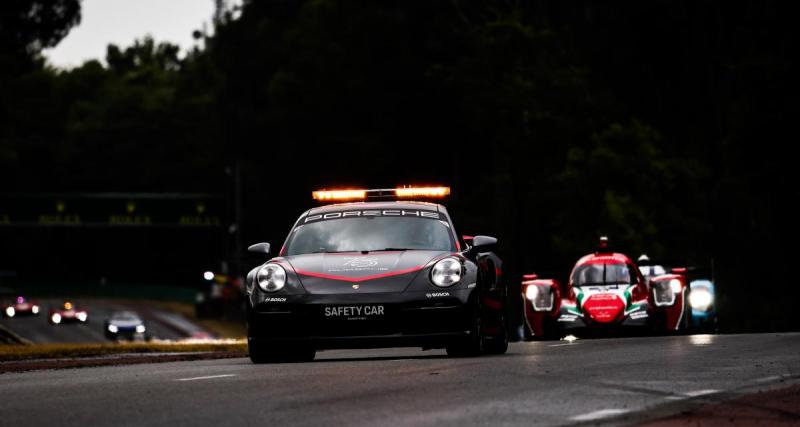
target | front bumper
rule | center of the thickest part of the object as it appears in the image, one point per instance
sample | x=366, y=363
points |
x=704, y=318
x=574, y=322
x=126, y=335
x=426, y=319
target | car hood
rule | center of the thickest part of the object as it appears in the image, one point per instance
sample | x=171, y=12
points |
x=357, y=272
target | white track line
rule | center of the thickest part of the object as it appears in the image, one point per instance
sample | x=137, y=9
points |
x=693, y=393
x=561, y=345
x=696, y=393
x=596, y=415
x=206, y=378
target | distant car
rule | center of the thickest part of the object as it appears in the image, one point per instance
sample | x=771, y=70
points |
x=377, y=272
x=125, y=325
x=67, y=313
x=20, y=307
x=702, y=292
x=704, y=310
x=606, y=293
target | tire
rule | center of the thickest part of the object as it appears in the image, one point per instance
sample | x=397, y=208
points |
x=270, y=354
x=497, y=344
x=472, y=344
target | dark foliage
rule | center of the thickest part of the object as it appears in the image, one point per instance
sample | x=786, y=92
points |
x=665, y=124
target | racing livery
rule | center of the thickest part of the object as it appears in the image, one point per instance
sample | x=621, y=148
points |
x=376, y=274
x=606, y=292
x=67, y=313
x=20, y=307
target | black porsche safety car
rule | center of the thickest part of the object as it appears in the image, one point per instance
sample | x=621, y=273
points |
x=380, y=272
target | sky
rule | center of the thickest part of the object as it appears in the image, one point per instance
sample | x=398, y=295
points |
x=122, y=21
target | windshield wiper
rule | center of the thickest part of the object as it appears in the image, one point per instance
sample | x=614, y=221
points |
x=362, y=251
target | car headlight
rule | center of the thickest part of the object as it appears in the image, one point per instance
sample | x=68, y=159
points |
x=675, y=285
x=664, y=292
x=446, y=272
x=81, y=316
x=700, y=299
x=35, y=309
x=271, y=278
x=140, y=329
x=113, y=329
x=10, y=312
x=540, y=296
x=531, y=292
x=56, y=318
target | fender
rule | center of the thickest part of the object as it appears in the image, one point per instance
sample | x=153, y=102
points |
x=672, y=310
x=538, y=314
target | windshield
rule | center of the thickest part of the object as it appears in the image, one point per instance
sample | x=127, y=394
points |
x=370, y=234
x=603, y=274
x=125, y=316
x=652, y=270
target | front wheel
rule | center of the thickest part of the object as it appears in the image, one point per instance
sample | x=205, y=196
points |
x=472, y=344
x=497, y=344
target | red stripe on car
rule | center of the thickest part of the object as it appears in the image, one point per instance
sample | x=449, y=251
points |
x=359, y=279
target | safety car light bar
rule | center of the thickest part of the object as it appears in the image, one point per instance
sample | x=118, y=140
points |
x=422, y=192
x=383, y=194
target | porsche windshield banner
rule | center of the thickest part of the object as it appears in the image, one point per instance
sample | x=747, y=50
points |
x=408, y=213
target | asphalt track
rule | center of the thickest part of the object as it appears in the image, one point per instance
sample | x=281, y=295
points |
x=38, y=330
x=616, y=381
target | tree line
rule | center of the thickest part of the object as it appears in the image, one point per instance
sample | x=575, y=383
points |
x=663, y=124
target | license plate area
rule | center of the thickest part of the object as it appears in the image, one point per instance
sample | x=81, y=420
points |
x=354, y=312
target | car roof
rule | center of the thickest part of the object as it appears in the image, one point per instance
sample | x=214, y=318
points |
x=375, y=205
x=604, y=258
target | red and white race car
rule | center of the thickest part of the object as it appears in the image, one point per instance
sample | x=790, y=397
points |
x=67, y=313
x=606, y=292
x=20, y=307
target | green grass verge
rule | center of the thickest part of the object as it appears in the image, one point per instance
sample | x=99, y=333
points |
x=10, y=352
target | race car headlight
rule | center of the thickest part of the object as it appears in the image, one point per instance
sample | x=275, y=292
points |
x=82, y=316
x=56, y=318
x=10, y=312
x=271, y=278
x=35, y=309
x=540, y=296
x=446, y=272
x=140, y=329
x=700, y=299
x=113, y=329
x=664, y=293
x=531, y=292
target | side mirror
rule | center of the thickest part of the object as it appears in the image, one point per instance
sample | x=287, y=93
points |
x=483, y=243
x=260, y=248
